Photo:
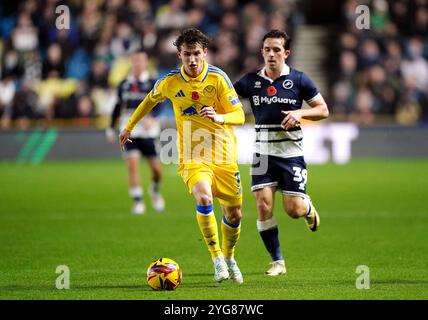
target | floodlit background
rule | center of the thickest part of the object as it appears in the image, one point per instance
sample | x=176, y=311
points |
x=63, y=192
x=61, y=63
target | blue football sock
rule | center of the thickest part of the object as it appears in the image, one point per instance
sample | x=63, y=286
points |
x=271, y=241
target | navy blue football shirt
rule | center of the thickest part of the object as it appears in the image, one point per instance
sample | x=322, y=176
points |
x=268, y=98
x=131, y=92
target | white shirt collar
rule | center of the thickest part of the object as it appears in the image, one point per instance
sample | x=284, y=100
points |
x=285, y=72
x=144, y=76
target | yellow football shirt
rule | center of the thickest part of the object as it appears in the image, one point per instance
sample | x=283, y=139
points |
x=198, y=139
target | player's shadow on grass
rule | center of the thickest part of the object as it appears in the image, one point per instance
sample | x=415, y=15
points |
x=205, y=280
x=253, y=273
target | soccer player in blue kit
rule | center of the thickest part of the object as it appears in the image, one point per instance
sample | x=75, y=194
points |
x=276, y=93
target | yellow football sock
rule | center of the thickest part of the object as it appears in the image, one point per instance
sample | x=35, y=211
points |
x=230, y=235
x=208, y=226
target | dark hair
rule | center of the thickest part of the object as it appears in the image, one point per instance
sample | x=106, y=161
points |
x=279, y=34
x=192, y=36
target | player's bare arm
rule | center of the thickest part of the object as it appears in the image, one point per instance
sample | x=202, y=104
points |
x=110, y=135
x=143, y=109
x=124, y=138
x=318, y=111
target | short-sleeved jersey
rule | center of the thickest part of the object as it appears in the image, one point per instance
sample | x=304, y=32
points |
x=130, y=93
x=200, y=139
x=268, y=98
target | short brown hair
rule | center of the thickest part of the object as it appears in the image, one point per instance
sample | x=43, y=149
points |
x=192, y=36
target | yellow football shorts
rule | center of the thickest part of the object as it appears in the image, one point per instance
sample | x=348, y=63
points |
x=225, y=181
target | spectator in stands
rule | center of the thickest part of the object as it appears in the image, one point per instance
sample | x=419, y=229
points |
x=54, y=61
x=25, y=35
x=98, y=74
x=391, y=76
x=7, y=89
x=25, y=107
x=125, y=41
x=383, y=64
x=171, y=15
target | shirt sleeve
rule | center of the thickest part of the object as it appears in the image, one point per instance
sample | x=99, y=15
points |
x=115, y=114
x=156, y=95
x=308, y=89
x=241, y=87
x=157, y=110
x=117, y=108
x=229, y=100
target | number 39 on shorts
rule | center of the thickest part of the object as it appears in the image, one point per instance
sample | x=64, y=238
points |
x=300, y=175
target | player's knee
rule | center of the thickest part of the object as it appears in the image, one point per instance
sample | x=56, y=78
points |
x=293, y=214
x=295, y=210
x=233, y=215
x=234, y=219
x=263, y=207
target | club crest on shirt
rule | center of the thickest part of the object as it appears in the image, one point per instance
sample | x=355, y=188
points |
x=287, y=84
x=209, y=91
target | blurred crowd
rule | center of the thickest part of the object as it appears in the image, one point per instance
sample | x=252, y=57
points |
x=383, y=70
x=49, y=73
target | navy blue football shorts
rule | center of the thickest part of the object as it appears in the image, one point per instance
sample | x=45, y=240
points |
x=287, y=174
x=142, y=146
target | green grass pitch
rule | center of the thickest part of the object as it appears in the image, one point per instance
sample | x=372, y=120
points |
x=373, y=213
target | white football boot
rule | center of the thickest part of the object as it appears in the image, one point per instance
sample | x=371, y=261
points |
x=158, y=202
x=234, y=272
x=277, y=268
x=220, y=269
x=138, y=208
x=313, y=219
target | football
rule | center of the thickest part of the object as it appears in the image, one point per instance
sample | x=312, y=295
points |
x=163, y=274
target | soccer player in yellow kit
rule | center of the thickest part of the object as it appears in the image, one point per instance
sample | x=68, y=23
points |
x=205, y=108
